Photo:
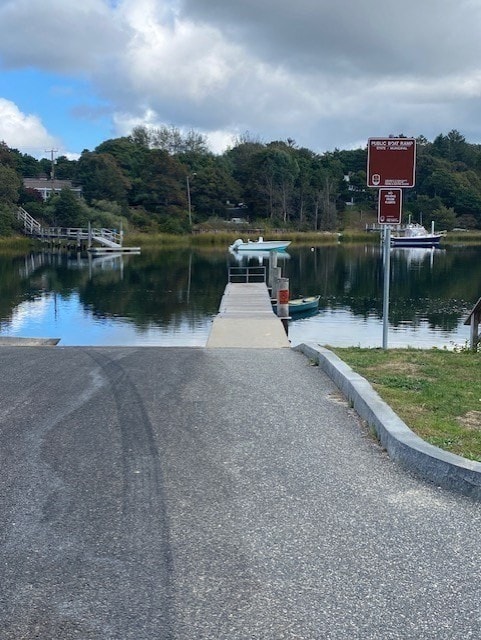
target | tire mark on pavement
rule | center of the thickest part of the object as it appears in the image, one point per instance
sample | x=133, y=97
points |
x=144, y=512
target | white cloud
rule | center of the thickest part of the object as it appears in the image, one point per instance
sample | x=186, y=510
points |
x=59, y=35
x=337, y=36
x=23, y=131
x=318, y=71
x=324, y=72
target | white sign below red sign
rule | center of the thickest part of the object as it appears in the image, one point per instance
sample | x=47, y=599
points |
x=389, y=208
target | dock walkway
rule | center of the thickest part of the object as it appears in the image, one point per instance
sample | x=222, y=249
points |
x=246, y=320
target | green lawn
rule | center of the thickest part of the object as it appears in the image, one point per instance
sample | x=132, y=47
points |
x=436, y=392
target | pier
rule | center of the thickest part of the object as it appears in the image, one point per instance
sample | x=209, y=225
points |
x=107, y=240
x=246, y=319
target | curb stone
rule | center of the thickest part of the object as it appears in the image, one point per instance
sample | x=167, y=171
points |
x=13, y=341
x=445, y=469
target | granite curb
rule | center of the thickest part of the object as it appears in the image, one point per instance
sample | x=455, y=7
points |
x=14, y=341
x=405, y=447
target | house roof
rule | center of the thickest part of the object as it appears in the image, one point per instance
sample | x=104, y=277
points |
x=44, y=183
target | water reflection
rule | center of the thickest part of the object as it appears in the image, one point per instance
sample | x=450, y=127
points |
x=247, y=258
x=105, y=262
x=170, y=297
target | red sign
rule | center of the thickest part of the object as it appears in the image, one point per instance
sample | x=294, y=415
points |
x=391, y=162
x=283, y=295
x=389, y=206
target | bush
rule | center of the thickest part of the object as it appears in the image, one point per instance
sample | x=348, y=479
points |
x=444, y=217
x=9, y=225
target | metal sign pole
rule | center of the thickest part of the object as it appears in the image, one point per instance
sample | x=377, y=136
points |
x=387, y=279
x=391, y=166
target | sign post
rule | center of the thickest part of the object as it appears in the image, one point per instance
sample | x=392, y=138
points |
x=387, y=280
x=389, y=211
x=391, y=166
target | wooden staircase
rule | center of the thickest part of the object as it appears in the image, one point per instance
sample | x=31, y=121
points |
x=108, y=238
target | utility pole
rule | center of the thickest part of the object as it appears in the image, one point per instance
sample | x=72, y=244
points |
x=52, y=170
x=189, y=201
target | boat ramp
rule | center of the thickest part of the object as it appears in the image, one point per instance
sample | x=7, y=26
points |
x=233, y=493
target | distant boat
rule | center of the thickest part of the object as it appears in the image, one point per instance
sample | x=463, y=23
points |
x=260, y=245
x=415, y=235
x=301, y=305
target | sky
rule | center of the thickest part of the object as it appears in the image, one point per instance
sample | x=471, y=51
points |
x=325, y=73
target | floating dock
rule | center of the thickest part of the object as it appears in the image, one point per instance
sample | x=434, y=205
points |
x=246, y=320
x=105, y=250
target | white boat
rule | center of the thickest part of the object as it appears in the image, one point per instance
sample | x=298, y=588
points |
x=260, y=245
x=415, y=235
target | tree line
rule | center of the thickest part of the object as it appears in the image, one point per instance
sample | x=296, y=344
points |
x=160, y=179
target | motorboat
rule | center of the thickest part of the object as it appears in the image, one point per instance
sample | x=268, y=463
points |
x=416, y=235
x=301, y=305
x=260, y=245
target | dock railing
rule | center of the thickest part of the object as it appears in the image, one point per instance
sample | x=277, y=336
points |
x=111, y=238
x=247, y=274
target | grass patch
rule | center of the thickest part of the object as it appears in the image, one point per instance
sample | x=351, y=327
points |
x=436, y=392
x=16, y=244
x=158, y=240
x=466, y=237
x=226, y=238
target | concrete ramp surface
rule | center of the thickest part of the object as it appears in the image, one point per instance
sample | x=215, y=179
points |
x=191, y=493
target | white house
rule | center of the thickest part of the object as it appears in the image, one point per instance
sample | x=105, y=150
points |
x=46, y=186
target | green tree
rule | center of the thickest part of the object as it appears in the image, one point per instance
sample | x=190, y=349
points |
x=7, y=158
x=352, y=160
x=423, y=207
x=64, y=168
x=24, y=164
x=444, y=217
x=303, y=185
x=212, y=186
x=441, y=183
x=141, y=136
x=67, y=210
x=171, y=139
x=102, y=178
x=240, y=160
x=129, y=153
x=10, y=184
x=162, y=190
x=327, y=181
x=273, y=173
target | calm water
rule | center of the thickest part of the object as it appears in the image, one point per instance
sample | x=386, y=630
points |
x=169, y=298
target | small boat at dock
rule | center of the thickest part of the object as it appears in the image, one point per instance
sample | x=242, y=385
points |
x=260, y=245
x=301, y=305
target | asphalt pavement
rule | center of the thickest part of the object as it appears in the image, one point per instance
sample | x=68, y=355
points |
x=192, y=493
